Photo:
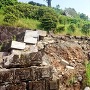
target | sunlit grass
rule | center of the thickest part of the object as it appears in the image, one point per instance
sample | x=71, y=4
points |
x=27, y=23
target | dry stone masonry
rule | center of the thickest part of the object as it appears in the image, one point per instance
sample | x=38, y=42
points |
x=40, y=61
x=22, y=67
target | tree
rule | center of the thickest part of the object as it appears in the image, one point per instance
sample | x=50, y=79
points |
x=83, y=16
x=7, y=2
x=48, y=2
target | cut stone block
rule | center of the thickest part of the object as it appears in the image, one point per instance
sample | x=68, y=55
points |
x=23, y=60
x=24, y=74
x=17, y=45
x=30, y=33
x=30, y=40
x=54, y=85
x=44, y=72
x=6, y=75
x=37, y=85
x=42, y=33
x=21, y=86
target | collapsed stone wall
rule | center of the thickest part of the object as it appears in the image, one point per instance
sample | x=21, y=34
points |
x=57, y=58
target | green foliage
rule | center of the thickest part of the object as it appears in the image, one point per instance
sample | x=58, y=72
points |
x=86, y=81
x=10, y=18
x=83, y=16
x=60, y=29
x=71, y=29
x=86, y=29
x=49, y=21
x=4, y=3
x=71, y=12
x=34, y=3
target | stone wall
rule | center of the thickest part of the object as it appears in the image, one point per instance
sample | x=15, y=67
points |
x=46, y=64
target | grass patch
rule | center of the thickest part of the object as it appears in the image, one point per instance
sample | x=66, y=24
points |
x=27, y=23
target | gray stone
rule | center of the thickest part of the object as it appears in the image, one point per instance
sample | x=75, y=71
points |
x=87, y=88
x=30, y=33
x=69, y=67
x=64, y=62
x=30, y=40
x=17, y=45
x=80, y=78
x=42, y=33
x=40, y=45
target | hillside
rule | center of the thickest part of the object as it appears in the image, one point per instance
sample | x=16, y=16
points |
x=38, y=16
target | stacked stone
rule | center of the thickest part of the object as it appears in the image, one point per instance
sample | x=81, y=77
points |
x=23, y=68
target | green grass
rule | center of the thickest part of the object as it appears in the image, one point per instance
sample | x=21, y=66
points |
x=1, y=19
x=27, y=23
x=87, y=75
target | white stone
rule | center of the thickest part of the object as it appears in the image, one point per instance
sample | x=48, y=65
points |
x=42, y=33
x=30, y=33
x=16, y=52
x=69, y=67
x=87, y=88
x=17, y=45
x=31, y=40
x=40, y=45
x=33, y=48
x=64, y=62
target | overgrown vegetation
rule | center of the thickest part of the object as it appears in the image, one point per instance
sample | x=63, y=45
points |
x=37, y=16
x=86, y=81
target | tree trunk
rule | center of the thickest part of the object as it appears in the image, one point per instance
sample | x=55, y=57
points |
x=49, y=3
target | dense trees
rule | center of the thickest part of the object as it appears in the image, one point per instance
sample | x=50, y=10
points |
x=7, y=2
x=67, y=21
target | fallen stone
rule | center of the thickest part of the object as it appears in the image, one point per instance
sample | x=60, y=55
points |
x=40, y=45
x=17, y=45
x=30, y=33
x=69, y=67
x=87, y=88
x=30, y=40
x=64, y=62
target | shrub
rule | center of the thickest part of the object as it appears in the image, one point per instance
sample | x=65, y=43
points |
x=60, y=29
x=10, y=18
x=71, y=29
x=86, y=29
x=49, y=21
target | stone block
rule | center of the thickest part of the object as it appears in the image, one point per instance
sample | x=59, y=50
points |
x=23, y=60
x=42, y=33
x=2, y=87
x=30, y=33
x=30, y=40
x=54, y=85
x=37, y=85
x=44, y=72
x=6, y=75
x=20, y=86
x=17, y=45
x=22, y=74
